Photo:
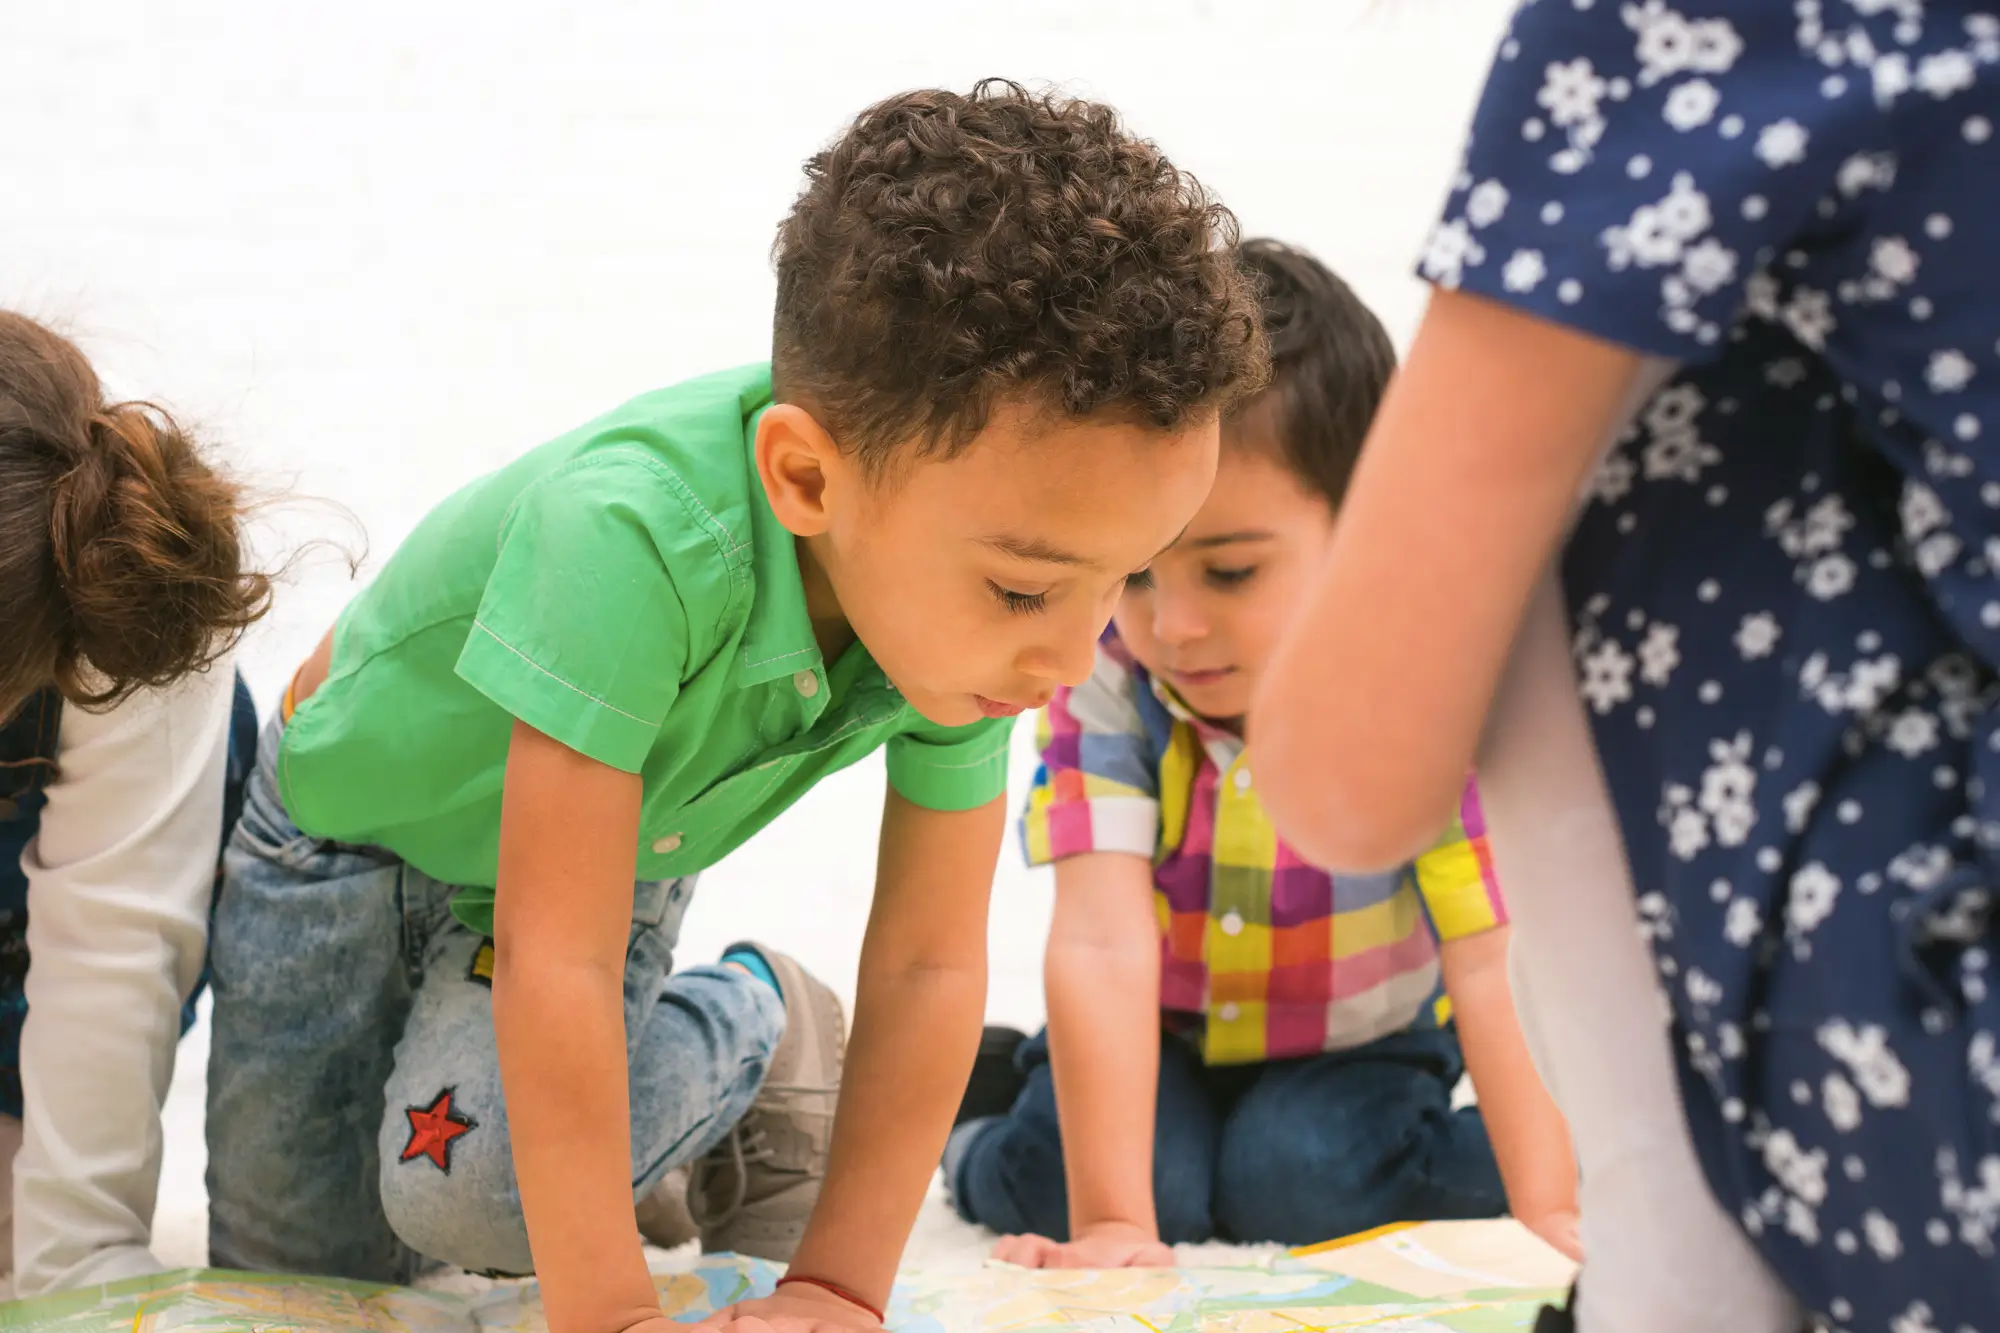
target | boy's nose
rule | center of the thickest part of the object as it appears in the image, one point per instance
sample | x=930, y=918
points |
x=1175, y=619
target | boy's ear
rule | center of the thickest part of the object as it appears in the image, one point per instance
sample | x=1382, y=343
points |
x=796, y=460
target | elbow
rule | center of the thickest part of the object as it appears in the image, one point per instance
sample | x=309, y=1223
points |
x=1350, y=818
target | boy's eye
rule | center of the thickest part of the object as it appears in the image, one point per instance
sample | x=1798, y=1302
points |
x=1140, y=581
x=1021, y=603
x=1230, y=578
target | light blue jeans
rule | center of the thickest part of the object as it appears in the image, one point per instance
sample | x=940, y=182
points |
x=356, y=1122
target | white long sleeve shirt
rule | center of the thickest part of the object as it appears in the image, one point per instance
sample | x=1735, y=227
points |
x=119, y=883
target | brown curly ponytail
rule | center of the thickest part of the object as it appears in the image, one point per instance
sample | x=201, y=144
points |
x=121, y=565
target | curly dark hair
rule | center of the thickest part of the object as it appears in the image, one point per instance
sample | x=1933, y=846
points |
x=951, y=249
x=1331, y=361
x=121, y=566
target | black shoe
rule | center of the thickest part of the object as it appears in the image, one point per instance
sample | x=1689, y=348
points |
x=1552, y=1320
x=995, y=1083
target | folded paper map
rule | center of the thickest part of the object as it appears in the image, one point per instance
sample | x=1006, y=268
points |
x=1440, y=1277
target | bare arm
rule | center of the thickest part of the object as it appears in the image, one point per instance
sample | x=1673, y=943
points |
x=1102, y=975
x=918, y=1011
x=562, y=917
x=1530, y=1138
x=1464, y=488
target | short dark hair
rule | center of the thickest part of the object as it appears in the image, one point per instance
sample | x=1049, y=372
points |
x=951, y=249
x=1331, y=361
x=121, y=565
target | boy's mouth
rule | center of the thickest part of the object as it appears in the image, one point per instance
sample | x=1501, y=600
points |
x=1208, y=676
x=994, y=708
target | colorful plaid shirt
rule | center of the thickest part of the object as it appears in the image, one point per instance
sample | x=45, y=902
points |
x=1262, y=956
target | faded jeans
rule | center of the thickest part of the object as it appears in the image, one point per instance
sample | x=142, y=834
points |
x=356, y=1121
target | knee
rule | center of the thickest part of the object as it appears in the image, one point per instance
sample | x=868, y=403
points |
x=448, y=1187
x=1280, y=1180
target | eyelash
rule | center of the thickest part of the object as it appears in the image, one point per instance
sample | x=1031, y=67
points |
x=1231, y=578
x=1140, y=581
x=1018, y=603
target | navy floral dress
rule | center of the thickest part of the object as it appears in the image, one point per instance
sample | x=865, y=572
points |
x=1784, y=589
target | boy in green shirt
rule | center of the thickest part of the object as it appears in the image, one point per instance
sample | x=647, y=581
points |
x=1004, y=332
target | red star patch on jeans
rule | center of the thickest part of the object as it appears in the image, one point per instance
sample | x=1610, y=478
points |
x=433, y=1129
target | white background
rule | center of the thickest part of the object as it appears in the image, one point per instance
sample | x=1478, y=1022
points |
x=374, y=249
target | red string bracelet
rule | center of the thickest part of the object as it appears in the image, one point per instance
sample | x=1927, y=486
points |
x=836, y=1289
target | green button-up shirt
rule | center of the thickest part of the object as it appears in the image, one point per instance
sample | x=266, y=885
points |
x=626, y=590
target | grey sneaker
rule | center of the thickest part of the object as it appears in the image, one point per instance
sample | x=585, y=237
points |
x=752, y=1193
x=664, y=1219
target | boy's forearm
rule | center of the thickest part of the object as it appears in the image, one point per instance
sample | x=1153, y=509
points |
x=560, y=1030
x=1530, y=1138
x=1104, y=1050
x=916, y=1029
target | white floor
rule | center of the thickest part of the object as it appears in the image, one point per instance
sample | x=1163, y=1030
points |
x=375, y=248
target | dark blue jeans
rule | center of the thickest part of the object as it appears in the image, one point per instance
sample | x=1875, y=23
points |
x=1294, y=1151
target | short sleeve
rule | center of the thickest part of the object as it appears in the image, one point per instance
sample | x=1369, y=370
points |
x=1097, y=789
x=951, y=768
x=1456, y=876
x=1631, y=169
x=582, y=632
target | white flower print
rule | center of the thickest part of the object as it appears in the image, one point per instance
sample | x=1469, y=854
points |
x=1450, y=251
x=1679, y=454
x=1757, y=635
x=1865, y=1051
x=1729, y=788
x=1782, y=144
x=1687, y=833
x=1936, y=553
x=1607, y=676
x=1913, y=732
x=1915, y=1319
x=1709, y=265
x=1659, y=654
x=1944, y=73
x=1890, y=77
x=1486, y=204
x=1570, y=92
x=1809, y=315
x=1802, y=1221
x=1524, y=271
x=1983, y=1059
x=1882, y=1236
x=1656, y=917
x=1814, y=892
x=1703, y=991
x=1871, y=681
x=1826, y=525
x=1613, y=478
x=1802, y=1173
x=1976, y=1206
x=1921, y=510
x=1893, y=260
x=1786, y=372
x=1830, y=576
x=1949, y=371
x=1674, y=407
x=1841, y=1103
x=1685, y=211
x=1743, y=923
x=1920, y=867
x=1799, y=804
x=1866, y=171
x=1692, y=104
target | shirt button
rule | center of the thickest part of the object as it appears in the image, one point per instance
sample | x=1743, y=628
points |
x=1229, y=1012
x=1243, y=779
x=670, y=843
x=806, y=683
x=1232, y=924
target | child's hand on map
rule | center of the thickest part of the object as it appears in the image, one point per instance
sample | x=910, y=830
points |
x=796, y=1308
x=1107, y=1245
x=1561, y=1229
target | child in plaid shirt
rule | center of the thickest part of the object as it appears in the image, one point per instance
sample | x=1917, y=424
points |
x=1241, y=1045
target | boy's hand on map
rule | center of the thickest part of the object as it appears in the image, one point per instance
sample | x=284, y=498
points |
x=1562, y=1229
x=1109, y=1245
x=796, y=1308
